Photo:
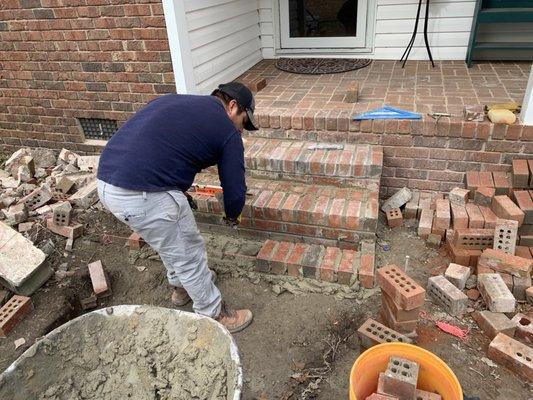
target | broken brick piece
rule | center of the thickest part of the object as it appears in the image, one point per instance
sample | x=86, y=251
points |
x=352, y=92
x=62, y=212
x=135, y=241
x=458, y=275
x=447, y=295
x=99, y=280
x=458, y=196
x=423, y=395
x=434, y=240
x=372, y=333
x=404, y=291
x=12, y=312
x=64, y=184
x=493, y=323
x=86, y=196
x=73, y=231
x=495, y=292
x=524, y=327
x=513, y=355
x=483, y=196
x=504, y=208
x=520, y=174
x=38, y=198
x=394, y=217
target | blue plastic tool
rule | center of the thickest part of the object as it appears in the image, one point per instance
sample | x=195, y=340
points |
x=387, y=112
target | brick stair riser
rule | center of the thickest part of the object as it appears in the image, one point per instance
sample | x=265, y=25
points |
x=314, y=234
x=321, y=211
x=330, y=264
x=358, y=161
x=252, y=233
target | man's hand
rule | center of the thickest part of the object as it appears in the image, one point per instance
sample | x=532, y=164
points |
x=192, y=202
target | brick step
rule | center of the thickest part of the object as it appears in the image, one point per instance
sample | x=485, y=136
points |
x=351, y=165
x=322, y=136
x=341, y=214
x=326, y=263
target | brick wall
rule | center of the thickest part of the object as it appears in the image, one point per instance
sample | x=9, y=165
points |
x=64, y=59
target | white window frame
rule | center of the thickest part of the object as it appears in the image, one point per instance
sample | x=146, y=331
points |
x=341, y=42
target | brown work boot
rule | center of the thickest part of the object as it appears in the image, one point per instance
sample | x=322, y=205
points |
x=180, y=297
x=234, y=320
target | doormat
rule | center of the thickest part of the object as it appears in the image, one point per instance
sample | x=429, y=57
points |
x=315, y=66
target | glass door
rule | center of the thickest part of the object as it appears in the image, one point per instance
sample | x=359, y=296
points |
x=322, y=23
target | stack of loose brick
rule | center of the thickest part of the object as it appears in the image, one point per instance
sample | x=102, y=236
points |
x=401, y=299
x=317, y=201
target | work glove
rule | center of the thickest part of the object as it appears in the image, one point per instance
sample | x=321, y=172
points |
x=192, y=202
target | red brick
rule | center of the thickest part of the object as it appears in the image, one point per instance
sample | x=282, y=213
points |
x=523, y=199
x=513, y=355
x=483, y=196
x=524, y=327
x=336, y=213
x=377, y=396
x=407, y=327
x=442, y=214
x=13, y=312
x=496, y=293
x=459, y=216
x=135, y=241
x=505, y=233
x=394, y=217
x=502, y=182
x=352, y=214
x=425, y=224
x=260, y=203
x=406, y=293
x=400, y=315
x=329, y=266
x=470, y=238
x=319, y=214
x=72, y=231
x=530, y=164
x=277, y=260
x=472, y=182
x=423, y=395
x=294, y=260
x=485, y=179
x=273, y=209
x=311, y=261
x=366, y=268
x=99, y=281
x=520, y=174
x=489, y=217
x=523, y=251
x=504, y=208
x=304, y=207
x=372, y=333
x=475, y=217
x=502, y=262
x=346, y=267
x=265, y=255
x=494, y=323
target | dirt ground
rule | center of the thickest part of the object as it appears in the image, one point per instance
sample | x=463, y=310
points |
x=299, y=346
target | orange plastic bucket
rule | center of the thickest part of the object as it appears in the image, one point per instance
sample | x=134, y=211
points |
x=434, y=375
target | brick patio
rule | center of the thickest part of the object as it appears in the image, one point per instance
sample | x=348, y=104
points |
x=418, y=87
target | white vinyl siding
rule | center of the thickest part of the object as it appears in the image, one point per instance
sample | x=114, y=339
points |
x=449, y=27
x=224, y=38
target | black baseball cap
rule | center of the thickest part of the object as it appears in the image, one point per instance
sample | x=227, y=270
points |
x=244, y=97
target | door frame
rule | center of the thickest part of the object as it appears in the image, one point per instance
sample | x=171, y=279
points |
x=335, y=42
x=326, y=51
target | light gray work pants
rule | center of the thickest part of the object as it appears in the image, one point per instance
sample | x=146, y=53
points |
x=165, y=221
